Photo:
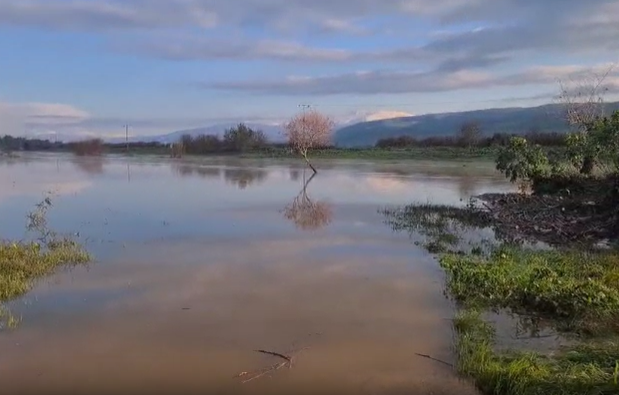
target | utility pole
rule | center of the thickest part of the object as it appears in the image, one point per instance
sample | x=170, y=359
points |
x=127, y=138
x=304, y=107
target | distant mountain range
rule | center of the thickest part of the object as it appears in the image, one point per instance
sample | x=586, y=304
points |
x=546, y=118
x=365, y=129
x=273, y=131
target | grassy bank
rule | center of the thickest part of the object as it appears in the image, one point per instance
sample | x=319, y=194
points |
x=573, y=293
x=417, y=153
x=22, y=263
x=438, y=153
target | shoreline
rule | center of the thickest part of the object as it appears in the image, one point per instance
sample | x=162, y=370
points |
x=550, y=267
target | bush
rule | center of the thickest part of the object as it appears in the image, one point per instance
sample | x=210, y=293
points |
x=238, y=139
x=522, y=161
x=90, y=147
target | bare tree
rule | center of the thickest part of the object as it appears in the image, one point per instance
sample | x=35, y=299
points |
x=583, y=98
x=469, y=133
x=177, y=149
x=308, y=130
x=306, y=213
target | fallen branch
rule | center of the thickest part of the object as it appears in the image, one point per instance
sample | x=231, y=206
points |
x=275, y=354
x=288, y=360
x=434, y=359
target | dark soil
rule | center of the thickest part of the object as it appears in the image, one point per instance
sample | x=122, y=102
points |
x=561, y=211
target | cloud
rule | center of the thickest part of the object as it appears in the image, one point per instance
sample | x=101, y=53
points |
x=186, y=48
x=385, y=82
x=65, y=122
x=405, y=46
x=89, y=15
x=18, y=118
x=507, y=33
x=123, y=14
x=507, y=30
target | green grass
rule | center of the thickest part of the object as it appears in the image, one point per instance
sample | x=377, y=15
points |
x=588, y=369
x=438, y=153
x=577, y=292
x=22, y=263
x=574, y=292
x=430, y=153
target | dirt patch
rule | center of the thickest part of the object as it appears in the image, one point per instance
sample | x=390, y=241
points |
x=560, y=212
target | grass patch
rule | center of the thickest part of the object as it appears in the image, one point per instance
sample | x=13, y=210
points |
x=576, y=292
x=588, y=369
x=440, y=225
x=22, y=263
x=431, y=153
x=579, y=290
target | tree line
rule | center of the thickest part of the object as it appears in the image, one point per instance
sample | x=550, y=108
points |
x=11, y=143
x=470, y=135
x=235, y=140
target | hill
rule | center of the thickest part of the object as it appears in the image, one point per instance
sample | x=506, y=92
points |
x=546, y=118
x=273, y=131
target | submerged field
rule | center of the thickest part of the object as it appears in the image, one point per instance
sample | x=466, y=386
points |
x=553, y=283
x=206, y=260
x=203, y=261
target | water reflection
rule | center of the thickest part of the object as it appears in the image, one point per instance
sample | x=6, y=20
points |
x=186, y=170
x=306, y=213
x=468, y=185
x=89, y=165
x=245, y=177
x=295, y=174
x=209, y=275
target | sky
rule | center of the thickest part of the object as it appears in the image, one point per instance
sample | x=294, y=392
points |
x=88, y=67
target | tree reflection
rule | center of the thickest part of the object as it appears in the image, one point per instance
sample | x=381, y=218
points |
x=306, y=213
x=244, y=177
x=295, y=174
x=467, y=185
x=90, y=165
x=187, y=170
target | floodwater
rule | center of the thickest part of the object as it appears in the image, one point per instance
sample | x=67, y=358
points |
x=201, y=262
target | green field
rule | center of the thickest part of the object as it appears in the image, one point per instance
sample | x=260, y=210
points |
x=438, y=153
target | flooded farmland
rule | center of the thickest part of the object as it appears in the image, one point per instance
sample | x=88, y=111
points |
x=201, y=262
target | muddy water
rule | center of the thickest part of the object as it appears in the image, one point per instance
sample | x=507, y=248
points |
x=199, y=263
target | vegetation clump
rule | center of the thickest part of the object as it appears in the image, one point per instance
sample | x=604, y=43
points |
x=591, y=368
x=24, y=262
x=574, y=292
x=90, y=147
x=239, y=139
x=573, y=288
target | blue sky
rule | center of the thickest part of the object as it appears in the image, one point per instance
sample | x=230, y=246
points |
x=87, y=67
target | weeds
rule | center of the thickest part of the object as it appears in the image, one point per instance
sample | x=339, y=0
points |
x=578, y=288
x=574, y=292
x=440, y=225
x=24, y=262
x=586, y=369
